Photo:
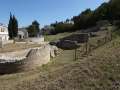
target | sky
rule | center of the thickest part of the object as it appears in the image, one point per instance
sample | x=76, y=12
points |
x=44, y=11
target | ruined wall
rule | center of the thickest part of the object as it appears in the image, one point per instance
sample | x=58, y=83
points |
x=39, y=56
x=35, y=57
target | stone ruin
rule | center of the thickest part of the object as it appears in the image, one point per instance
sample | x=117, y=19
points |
x=73, y=41
x=27, y=59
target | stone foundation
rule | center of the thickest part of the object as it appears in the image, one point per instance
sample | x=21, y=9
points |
x=35, y=57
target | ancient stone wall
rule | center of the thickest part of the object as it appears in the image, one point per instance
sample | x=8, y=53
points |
x=35, y=57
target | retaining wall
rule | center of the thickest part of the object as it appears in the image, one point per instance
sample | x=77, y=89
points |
x=35, y=57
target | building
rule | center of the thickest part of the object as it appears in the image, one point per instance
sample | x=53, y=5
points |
x=22, y=33
x=4, y=33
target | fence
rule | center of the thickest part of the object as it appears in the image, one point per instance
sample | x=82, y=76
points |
x=89, y=46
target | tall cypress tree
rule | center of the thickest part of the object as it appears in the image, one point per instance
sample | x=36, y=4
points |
x=13, y=27
x=10, y=28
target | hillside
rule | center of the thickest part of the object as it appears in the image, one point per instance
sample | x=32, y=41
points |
x=98, y=71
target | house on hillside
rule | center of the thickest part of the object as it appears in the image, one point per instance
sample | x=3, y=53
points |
x=4, y=36
x=22, y=33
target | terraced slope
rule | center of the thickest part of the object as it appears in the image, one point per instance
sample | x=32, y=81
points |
x=99, y=71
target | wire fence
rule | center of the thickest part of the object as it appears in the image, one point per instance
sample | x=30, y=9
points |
x=86, y=48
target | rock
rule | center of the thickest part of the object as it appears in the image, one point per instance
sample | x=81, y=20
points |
x=53, y=51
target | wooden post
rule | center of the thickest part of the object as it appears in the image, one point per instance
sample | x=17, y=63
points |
x=111, y=35
x=86, y=48
x=75, y=54
x=1, y=43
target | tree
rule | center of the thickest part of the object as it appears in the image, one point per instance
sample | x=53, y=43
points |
x=34, y=30
x=10, y=28
x=13, y=27
x=36, y=26
x=109, y=11
x=63, y=27
x=115, y=9
x=84, y=20
x=103, y=12
x=31, y=31
x=106, y=11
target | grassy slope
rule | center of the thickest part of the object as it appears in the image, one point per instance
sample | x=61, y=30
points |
x=57, y=36
x=99, y=71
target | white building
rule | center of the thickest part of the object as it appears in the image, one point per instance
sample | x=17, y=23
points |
x=4, y=33
x=22, y=33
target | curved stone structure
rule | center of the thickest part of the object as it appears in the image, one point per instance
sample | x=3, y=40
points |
x=34, y=57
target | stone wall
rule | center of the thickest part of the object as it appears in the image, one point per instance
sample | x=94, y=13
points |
x=79, y=38
x=38, y=56
x=35, y=57
x=73, y=41
x=7, y=42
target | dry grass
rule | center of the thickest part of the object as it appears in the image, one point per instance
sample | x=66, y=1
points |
x=17, y=46
x=99, y=71
x=57, y=36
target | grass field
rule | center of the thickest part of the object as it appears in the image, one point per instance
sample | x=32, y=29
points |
x=57, y=36
x=98, y=71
